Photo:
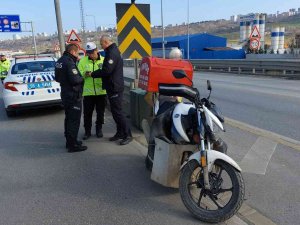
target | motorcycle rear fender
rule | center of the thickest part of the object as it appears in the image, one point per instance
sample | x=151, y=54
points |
x=212, y=156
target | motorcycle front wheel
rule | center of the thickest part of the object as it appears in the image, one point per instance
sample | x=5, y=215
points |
x=221, y=201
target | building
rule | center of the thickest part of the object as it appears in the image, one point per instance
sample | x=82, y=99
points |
x=201, y=46
x=234, y=18
x=16, y=37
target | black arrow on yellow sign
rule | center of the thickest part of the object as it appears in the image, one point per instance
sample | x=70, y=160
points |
x=134, y=30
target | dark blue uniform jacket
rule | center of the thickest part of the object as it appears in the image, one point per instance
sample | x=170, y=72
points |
x=71, y=82
x=112, y=71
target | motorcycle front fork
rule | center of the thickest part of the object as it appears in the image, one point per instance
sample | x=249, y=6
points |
x=203, y=160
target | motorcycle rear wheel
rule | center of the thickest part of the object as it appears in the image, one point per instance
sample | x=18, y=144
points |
x=221, y=201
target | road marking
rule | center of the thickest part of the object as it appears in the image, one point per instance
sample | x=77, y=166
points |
x=258, y=157
x=264, y=133
x=251, y=216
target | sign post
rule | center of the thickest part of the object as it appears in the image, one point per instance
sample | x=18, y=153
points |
x=254, y=43
x=32, y=32
x=255, y=39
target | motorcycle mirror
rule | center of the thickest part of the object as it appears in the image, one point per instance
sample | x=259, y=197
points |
x=208, y=85
x=179, y=74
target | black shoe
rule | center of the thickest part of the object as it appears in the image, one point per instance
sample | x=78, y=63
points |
x=99, y=133
x=77, y=142
x=86, y=136
x=77, y=148
x=116, y=137
x=126, y=140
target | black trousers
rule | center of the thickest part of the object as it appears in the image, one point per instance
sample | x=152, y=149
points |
x=72, y=121
x=116, y=101
x=89, y=104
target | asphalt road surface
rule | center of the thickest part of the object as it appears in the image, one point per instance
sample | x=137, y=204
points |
x=269, y=103
x=42, y=184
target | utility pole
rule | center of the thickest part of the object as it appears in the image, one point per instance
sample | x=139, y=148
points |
x=163, y=29
x=33, y=35
x=188, y=29
x=59, y=27
x=82, y=21
x=136, y=64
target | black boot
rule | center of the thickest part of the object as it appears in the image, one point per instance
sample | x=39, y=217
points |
x=126, y=140
x=77, y=148
x=99, y=133
x=78, y=142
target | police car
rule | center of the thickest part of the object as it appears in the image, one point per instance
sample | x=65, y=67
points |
x=30, y=84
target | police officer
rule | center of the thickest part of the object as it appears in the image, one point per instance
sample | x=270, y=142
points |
x=113, y=81
x=4, y=66
x=94, y=94
x=71, y=82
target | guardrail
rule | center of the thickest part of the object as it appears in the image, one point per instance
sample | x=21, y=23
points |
x=271, y=67
x=244, y=66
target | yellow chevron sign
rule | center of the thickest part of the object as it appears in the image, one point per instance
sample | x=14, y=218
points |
x=134, y=30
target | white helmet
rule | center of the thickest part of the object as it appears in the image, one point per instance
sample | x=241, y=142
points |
x=175, y=53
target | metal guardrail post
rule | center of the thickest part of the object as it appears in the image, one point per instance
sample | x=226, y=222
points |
x=132, y=85
x=136, y=71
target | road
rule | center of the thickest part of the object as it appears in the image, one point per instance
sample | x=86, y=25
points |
x=42, y=184
x=269, y=103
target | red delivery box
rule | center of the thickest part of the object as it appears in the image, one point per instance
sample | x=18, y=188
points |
x=154, y=71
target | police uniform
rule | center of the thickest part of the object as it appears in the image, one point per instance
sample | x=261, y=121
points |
x=71, y=82
x=113, y=81
x=4, y=67
x=94, y=95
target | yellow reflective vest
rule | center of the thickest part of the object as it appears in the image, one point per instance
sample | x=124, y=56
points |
x=4, y=67
x=92, y=86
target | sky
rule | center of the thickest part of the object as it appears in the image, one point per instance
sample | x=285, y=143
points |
x=42, y=12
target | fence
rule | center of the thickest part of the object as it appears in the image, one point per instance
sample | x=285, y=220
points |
x=265, y=67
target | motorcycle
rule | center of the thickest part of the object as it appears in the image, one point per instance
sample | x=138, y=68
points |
x=210, y=182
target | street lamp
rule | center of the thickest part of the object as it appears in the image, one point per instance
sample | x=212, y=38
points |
x=94, y=21
x=163, y=30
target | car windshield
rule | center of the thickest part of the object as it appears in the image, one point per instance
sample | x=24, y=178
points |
x=33, y=67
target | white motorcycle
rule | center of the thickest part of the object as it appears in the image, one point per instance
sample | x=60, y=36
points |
x=210, y=182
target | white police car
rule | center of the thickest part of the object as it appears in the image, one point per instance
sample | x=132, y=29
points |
x=30, y=84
